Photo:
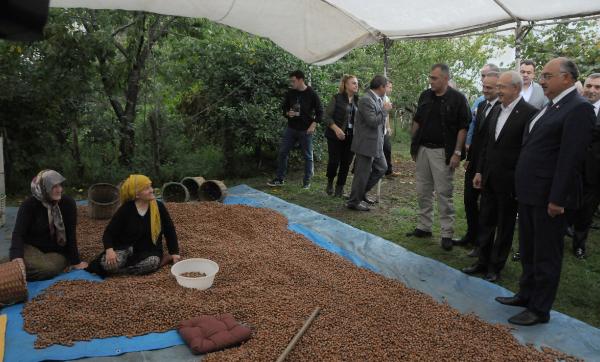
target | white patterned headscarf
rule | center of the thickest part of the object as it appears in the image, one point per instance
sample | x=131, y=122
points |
x=41, y=187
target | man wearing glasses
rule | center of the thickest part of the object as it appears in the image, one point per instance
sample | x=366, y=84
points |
x=548, y=180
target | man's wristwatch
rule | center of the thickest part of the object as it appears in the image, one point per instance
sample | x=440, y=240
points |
x=458, y=153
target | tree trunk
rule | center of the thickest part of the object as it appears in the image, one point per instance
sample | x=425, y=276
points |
x=154, y=119
x=76, y=153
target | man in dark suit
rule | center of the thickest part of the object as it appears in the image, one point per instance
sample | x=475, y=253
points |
x=582, y=218
x=496, y=177
x=485, y=110
x=369, y=128
x=548, y=181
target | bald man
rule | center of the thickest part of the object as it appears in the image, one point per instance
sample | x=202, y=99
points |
x=548, y=180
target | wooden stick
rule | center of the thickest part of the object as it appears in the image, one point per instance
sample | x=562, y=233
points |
x=299, y=335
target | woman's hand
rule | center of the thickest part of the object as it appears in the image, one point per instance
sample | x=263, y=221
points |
x=176, y=258
x=81, y=265
x=111, y=258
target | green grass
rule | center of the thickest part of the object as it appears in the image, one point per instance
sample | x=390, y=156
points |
x=579, y=290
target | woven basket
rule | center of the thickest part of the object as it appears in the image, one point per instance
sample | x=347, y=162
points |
x=103, y=200
x=193, y=185
x=13, y=286
x=213, y=190
x=175, y=192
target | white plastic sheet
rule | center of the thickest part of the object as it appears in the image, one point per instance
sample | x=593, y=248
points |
x=321, y=32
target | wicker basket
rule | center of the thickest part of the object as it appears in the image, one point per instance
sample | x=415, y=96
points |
x=13, y=286
x=103, y=200
x=175, y=192
x=2, y=209
x=193, y=185
x=213, y=190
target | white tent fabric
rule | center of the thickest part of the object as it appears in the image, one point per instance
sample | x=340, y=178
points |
x=321, y=32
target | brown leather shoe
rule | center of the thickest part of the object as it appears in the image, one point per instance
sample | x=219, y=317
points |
x=514, y=301
x=528, y=318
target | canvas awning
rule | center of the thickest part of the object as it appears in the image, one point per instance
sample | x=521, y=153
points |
x=321, y=32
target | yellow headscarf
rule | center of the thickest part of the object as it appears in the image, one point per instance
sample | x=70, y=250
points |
x=131, y=186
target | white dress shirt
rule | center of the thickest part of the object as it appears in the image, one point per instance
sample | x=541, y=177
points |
x=526, y=93
x=503, y=116
x=554, y=101
x=597, y=107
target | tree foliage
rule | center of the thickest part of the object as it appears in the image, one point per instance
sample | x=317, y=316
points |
x=108, y=93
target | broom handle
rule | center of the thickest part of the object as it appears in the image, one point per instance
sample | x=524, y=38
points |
x=298, y=335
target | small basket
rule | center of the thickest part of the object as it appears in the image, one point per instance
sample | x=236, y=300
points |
x=2, y=209
x=13, y=286
x=213, y=190
x=175, y=192
x=103, y=200
x=193, y=185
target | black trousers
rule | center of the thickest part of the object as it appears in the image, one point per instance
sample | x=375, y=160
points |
x=387, y=152
x=471, y=200
x=340, y=158
x=497, y=219
x=541, y=247
x=582, y=218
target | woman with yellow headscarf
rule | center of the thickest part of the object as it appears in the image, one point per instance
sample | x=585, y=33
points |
x=133, y=238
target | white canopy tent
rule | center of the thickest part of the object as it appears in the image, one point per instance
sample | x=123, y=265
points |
x=322, y=31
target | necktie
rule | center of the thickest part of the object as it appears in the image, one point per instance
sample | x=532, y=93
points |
x=483, y=114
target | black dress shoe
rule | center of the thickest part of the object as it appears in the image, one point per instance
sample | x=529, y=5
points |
x=514, y=301
x=492, y=277
x=446, y=243
x=579, y=253
x=516, y=256
x=418, y=233
x=462, y=242
x=369, y=200
x=474, y=269
x=528, y=318
x=473, y=253
x=359, y=207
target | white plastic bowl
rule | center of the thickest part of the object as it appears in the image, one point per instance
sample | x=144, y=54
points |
x=208, y=267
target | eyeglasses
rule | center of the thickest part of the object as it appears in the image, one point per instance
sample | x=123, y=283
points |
x=548, y=76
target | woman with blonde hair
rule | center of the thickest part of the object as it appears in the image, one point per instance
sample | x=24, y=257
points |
x=133, y=237
x=339, y=118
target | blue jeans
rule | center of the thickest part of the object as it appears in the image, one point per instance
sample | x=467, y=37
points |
x=289, y=140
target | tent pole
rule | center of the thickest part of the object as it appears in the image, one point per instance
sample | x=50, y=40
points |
x=387, y=43
x=518, y=43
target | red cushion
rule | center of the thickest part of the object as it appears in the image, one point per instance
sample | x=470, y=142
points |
x=207, y=333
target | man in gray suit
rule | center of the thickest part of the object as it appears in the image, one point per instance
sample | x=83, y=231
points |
x=369, y=128
x=532, y=92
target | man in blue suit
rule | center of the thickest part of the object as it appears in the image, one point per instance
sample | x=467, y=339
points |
x=547, y=181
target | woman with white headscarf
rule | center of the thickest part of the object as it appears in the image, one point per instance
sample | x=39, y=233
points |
x=44, y=238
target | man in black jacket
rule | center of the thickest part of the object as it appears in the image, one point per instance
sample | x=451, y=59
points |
x=438, y=137
x=485, y=110
x=303, y=109
x=496, y=176
x=548, y=181
x=582, y=218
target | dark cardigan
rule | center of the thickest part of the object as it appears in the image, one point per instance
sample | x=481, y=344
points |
x=128, y=229
x=31, y=227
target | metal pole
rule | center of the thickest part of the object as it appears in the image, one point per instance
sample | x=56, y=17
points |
x=518, y=43
x=386, y=45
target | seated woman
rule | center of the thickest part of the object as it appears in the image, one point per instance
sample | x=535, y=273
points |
x=133, y=238
x=44, y=239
